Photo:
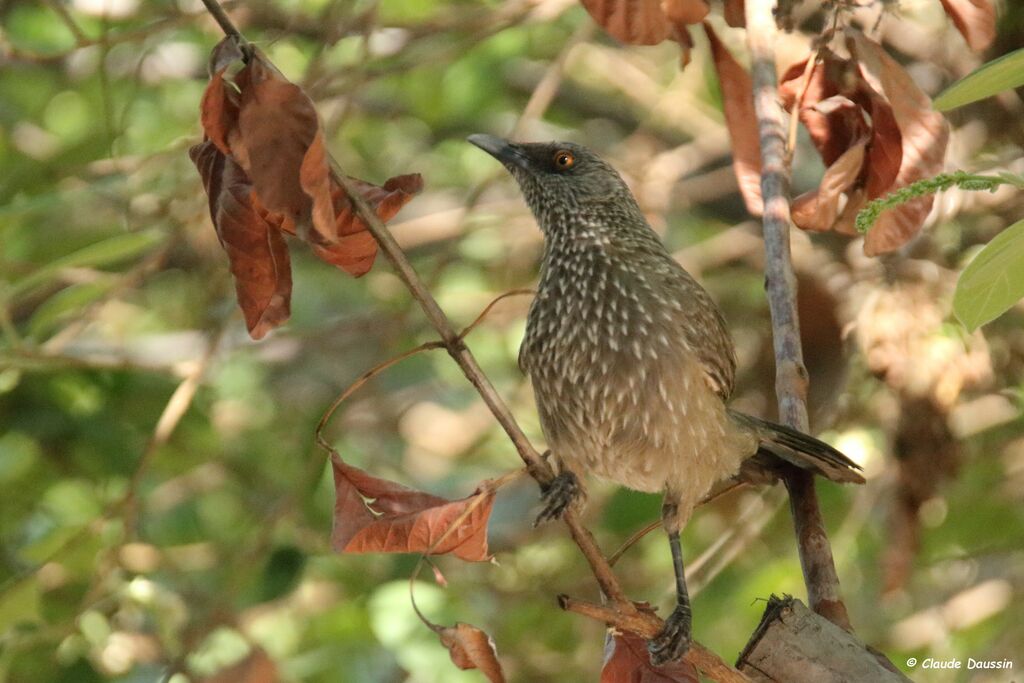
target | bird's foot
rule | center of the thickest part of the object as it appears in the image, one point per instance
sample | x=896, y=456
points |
x=674, y=640
x=563, y=491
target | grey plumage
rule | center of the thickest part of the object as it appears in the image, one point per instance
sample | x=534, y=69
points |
x=631, y=361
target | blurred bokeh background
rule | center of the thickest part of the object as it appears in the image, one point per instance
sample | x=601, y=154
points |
x=164, y=512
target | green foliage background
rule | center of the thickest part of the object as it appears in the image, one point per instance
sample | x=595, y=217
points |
x=116, y=303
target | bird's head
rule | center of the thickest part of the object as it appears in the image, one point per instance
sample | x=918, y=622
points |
x=559, y=178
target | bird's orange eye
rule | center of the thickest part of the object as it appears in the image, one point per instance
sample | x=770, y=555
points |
x=564, y=159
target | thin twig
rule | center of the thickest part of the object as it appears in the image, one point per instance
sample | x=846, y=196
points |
x=226, y=25
x=633, y=540
x=66, y=18
x=547, y=87
x=360, y=381
x=637, y=535
x=702, y=571
x=487, y=309
x=794, y=117
x=790, y=375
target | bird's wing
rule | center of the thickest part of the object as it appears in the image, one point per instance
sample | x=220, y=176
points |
x=704, y=332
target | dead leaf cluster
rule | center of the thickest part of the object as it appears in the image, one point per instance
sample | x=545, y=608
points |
x=649, y=22
x=873, y=127
x=267, y=173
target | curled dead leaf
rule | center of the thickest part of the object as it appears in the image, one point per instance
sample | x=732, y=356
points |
x=835, y=126
x=373, y=515
x=735, y=13
x=647, y=22
x=218, y=111
x=974, y=19
x=840, y=109
x=846, y=223
x=256, y=250
x=885, y=151
x=471, y=648
x=685, y=11
x=741, y=120
x=924, y=134
x=269, y=141
x=818, y=209
x=634, y=22
x=279, y=144
x=681, y=34
x=355, y=249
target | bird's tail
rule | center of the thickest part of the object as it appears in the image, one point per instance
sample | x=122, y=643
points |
x=778, y=442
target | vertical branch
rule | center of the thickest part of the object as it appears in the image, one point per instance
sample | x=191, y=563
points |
x=791, y=376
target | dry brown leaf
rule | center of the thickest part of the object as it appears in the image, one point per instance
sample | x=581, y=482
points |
x=738, y=105
x=355, y=249
x=838, y=109
x=817, y=210
x=267, y=138
x=685, y=11
x=832, y=129
x=647, y=22
x=471, y=648
x=315, y=178
x=256, y=250
x=636, y=22
x=354, y=253
x=846, y=223
x=735, y=13
x=924, y=133
x=629, y=662
x=257, y=667
x=373, y=515
x=218, y=109
x=278, y=143
x=885, y=151
x=681, y=34
x=975, y=19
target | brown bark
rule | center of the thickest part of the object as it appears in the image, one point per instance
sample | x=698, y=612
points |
x=794, y=645
x=791, y=376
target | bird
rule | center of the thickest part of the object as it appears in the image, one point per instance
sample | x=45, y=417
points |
x=632, y=363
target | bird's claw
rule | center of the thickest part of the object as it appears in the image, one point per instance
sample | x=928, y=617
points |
x=674, y=640
x=562, y=492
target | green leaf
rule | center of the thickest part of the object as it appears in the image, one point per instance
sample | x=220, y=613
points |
x=95, y=255
x=19, y=603
x=281, y=573
x=65, y=304
x=1004, y=73
x=993, y=281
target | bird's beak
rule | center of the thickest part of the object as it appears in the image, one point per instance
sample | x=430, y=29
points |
x=504, y=151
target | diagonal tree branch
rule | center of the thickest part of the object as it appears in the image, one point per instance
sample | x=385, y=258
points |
x=819, y=568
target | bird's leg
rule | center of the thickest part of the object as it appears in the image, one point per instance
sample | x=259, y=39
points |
x=674, y=640
x=562, y=492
